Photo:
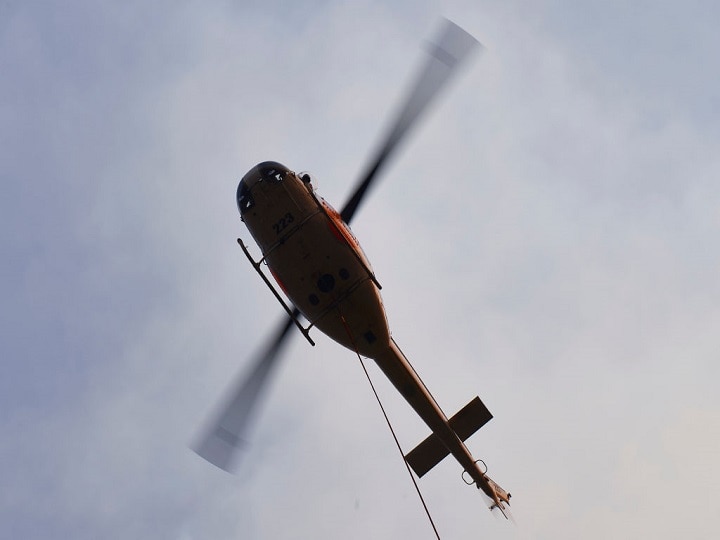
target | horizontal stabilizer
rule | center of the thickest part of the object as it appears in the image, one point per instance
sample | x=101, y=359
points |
x=432, y=451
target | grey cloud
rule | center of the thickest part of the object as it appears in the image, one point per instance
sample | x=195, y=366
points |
x=546, y=241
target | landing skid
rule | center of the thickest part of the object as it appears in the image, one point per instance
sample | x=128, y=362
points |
x=257, y=266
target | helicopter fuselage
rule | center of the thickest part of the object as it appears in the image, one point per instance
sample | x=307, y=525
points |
x=319, y=264
x=314, y=257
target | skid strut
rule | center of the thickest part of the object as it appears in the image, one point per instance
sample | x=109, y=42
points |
x=256, y=266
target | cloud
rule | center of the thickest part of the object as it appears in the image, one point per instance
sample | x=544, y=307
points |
x=544, y=240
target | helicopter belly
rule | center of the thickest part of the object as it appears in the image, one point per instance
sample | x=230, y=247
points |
x=329, y=281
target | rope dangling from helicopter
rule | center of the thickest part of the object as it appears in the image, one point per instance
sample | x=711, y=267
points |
x=392, y=430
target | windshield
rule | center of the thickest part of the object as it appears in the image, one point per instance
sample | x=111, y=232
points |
x=245, y=199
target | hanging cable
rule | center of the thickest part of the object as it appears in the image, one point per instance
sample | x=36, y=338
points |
x=392, y=430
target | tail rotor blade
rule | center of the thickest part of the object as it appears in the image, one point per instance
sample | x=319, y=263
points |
x=227, y=431
x=453, y=45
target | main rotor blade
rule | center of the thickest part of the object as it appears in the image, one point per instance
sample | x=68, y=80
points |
x=453, y=45
x=227, y=431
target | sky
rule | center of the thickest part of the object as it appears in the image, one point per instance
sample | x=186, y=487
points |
x=547, y=240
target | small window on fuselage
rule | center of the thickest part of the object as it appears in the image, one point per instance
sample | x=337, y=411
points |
x=245, y=199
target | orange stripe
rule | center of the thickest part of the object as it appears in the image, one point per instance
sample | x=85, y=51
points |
x=279, y=282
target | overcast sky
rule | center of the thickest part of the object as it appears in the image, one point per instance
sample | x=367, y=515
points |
x=548, y=240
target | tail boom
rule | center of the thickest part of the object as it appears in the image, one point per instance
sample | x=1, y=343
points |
x=447, y=436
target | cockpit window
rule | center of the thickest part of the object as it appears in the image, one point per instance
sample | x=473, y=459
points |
x=273, y=174
x=245, y=199
x=272, y=171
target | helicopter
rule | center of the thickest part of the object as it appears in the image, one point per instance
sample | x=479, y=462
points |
x=318, y=264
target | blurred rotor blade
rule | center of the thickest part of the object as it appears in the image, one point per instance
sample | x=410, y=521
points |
x=227, y=431
x=453, y=45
